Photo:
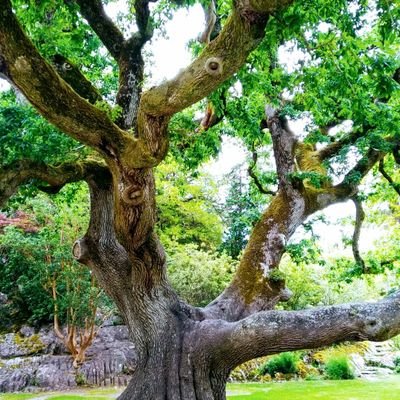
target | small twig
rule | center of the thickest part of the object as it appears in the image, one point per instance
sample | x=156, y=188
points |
x=255, y=178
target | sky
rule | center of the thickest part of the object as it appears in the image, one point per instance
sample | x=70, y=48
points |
x=170, y=54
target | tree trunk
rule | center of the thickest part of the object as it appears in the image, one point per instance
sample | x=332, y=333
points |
x=177, y=365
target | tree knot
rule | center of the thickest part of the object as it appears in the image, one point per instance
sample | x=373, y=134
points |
x=213, y=66
x=133, y=193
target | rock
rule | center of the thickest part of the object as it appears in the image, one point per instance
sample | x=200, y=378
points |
x=26, y=331
x=30, y=361
x=56, y=373
x=14, y=381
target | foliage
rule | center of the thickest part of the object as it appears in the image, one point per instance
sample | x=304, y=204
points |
x=339, y=368
x=285, y=363
x=240, y=211
x=32, y=261
x=186, y=207
x=307, y=284
x=24, y=134
x=197, y=275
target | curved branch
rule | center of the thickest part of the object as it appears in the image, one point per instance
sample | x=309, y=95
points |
x=254, y=176
x=393, y=184
x=349, y=185
x=128, y=53
x=360, y=216
x=50, y=95
x=131, y=66
x=18, y=173
x=275, y=331
x=219, y=60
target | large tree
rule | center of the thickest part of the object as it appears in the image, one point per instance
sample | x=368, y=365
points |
x=349, y=73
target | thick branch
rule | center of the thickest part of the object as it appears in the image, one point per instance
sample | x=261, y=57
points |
x=354, y=177
x=18, y=173
x=276, y=331
x=102, y=24
x=74, y=77
x=128, y=53
x=131, y=66
x=220, y=59
x=51, y=96
x=284, y=142
x=349, y=185
x=257, y=284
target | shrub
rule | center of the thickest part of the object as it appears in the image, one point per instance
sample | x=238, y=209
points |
x=339, y=368
x=396, y=363
x=285, y=363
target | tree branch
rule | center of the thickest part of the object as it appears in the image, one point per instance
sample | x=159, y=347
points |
x=74, y=77
x=102, y=24
x=284, y=143
x=254, y=176
x=360, y=216
x=131, y=66
x=393, y=184
x=349, y=185
x=276, y=331
x=334, y=148
x=50, y=95
x=18, y=173
x=219, y=60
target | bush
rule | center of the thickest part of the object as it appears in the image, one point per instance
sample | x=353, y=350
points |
x=285, y=363
x=339, y=368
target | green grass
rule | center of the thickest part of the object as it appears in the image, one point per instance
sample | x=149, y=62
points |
x=388, y=389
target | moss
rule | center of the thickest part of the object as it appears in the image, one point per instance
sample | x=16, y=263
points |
x=276, y=276
x=33, y=343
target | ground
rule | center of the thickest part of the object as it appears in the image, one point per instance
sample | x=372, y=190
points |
x=387, y=389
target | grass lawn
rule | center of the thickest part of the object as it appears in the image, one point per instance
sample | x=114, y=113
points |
x=387, y=389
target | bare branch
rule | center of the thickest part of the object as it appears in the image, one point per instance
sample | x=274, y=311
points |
x=210, y=13
x=128, y=53
x=349, y=185
x=393, y=184
x=275, y=331
x=360, y=216
x=18, y=173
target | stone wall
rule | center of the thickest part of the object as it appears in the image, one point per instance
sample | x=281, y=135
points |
x=35, y=361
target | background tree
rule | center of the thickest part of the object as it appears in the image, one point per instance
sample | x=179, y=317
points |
x=348, y=71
